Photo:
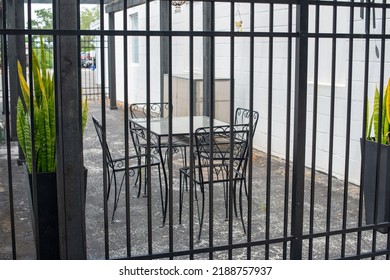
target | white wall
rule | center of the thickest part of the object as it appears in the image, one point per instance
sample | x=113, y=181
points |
x=279, y=83
x=137, y=71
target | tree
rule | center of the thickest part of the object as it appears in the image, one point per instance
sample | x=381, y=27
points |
x=43, y=19
x=87, y=17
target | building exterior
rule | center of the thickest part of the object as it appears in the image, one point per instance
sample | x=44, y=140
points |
x=327, y=86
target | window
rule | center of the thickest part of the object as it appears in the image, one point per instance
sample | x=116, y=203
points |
x=134, y=40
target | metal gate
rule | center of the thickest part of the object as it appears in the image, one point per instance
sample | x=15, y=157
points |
x=308, y=68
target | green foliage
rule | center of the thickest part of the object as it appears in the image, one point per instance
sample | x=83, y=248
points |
x=43, y=19
x=48, y=56
x=380, y=133
x=88, y=16
x=43, y=104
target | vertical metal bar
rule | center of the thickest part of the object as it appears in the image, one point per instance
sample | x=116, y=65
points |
x=250, y=142
x=3, y=22
x=104, y=124
x=164, y=52
x=148, y=100
x=314, y=132
x=32, y=138
x=269, y=128
x=331, y=132
x=365, y=89
x=4, y=59
x=206, y=58
x=70, y=167
x=298, y=176
x=382, y=71
x=170, y=151
x=231, y=116
x=231, y=193
x=288, y=131
x=2, y=91
x=111, y=61
x=191, y=139
x=231, y=188
x=348, y=129
x=212, y=114
x=125, y=126
x=380, y=121
x=16, y=51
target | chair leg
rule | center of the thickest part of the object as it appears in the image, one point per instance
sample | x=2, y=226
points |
x=164, y=202
x=201, y=217
x=185, y=156
x=226, y=194
x=180, y=196
x=200, y=211
x=161, y=190
x=241, y=214
x=139, y=174
x=226, y=198
x=246, y=189
x=116, y=200
x=139, y=186
x=109, y=179
x=115, y=195
x=234, y=198
x=159, y=180
x=145, y=181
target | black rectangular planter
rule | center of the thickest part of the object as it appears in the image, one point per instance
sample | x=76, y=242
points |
x=383, y=182
x=49, y=248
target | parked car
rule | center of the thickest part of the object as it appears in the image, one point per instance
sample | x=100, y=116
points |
x=86, y=63
x=86, y=60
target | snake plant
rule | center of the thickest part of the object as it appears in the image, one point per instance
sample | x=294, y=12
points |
x=44, y=116
x=373, y=120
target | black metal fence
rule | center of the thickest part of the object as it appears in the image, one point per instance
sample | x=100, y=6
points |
x=307, y=67
x=89, y=56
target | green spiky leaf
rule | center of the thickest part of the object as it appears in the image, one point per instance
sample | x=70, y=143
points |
x=44, y=116
x=375, y=114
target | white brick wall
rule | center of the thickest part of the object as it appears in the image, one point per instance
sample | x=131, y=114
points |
x=261, y=87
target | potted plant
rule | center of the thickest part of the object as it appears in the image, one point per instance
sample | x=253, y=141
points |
x=372, y=178
x=44, y=135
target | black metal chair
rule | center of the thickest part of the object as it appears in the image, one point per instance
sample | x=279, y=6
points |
x=117, y=165
x=157, y=110
x=229, y=153
x=243, y=116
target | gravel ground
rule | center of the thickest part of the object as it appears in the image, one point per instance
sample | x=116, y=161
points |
x=160, y=235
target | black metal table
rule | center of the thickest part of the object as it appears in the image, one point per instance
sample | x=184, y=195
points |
x=159, y=129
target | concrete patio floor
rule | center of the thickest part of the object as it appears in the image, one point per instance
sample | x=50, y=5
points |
x=138, y=210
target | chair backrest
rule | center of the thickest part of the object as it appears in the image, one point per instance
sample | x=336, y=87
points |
x=242, y=116
x=99, y=131
x=222, y=146
x=140, y=110
x=157, y=110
